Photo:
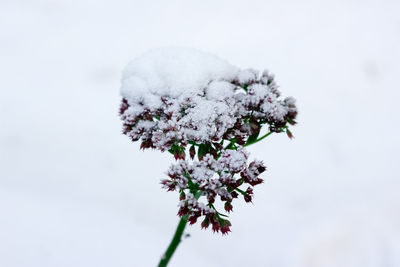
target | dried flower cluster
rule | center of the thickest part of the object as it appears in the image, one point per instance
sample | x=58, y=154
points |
x=216, y=121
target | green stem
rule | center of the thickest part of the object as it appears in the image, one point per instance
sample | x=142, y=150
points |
x=259, y=139
x=176, y=240
x=240, y=191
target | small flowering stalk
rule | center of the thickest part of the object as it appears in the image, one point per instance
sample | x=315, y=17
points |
x=205, y=119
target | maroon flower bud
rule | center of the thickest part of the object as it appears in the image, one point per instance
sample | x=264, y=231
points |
x=256, y=181
x=146, y=144
x=248, y=195
x=179, y=155
x=213, y=152
x=249, y=190
x=177, y=151
x=168, y=184
x=126, y=128
x=192, y=152
x=211, y=199
x=193, y=219
x=124, y=106
x=225, y=226
x=216, y=226
x=228, y=206
x=261, y=169
x=247, y=198
x=289, y=134
x=182, y=196
x=240, y=140
x=234, y=194
x=205, y=223
x=244, y=175
x=183, y=211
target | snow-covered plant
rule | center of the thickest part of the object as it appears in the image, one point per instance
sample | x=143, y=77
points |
x=205, y=112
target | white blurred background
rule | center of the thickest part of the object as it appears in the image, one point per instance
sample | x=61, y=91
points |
x=75, y=192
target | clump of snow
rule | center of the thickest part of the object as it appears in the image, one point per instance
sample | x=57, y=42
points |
x=173, y=72
x=247, y=76
x=234, y=160
x=218, y=90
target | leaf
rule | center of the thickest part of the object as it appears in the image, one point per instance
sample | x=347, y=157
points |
x=201, y=151
x=252, y=138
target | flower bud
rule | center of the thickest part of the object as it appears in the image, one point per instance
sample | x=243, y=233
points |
x=216, y=226
x=256, y=181
x=124, y=106
x=205, y=223
x=168, y=184
x=228, y=206
x=192, y=152
x=193, y=219
x=248, y=195
x=247, y=198
x=146, y=144
x=179, y=155
x=183, y=211
x=225, y=226
x=234, y=194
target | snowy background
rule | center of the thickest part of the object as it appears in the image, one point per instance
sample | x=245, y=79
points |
x=75, y=192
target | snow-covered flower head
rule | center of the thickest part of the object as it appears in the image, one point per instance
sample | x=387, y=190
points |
x=179, y=98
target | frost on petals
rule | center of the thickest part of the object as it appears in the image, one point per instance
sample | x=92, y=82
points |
x=204, y=111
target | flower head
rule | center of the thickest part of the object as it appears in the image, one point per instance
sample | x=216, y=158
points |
x=191, y=103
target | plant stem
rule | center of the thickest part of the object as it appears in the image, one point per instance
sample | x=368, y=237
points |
x=177, y=237
x=175, y=242
x=259, y=139
x=240, y=191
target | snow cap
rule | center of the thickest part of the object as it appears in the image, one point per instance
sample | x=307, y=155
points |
x=174, y=71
